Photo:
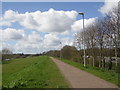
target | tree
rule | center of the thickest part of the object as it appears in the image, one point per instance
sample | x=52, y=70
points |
x=100, y=29
x=102, y=36
x=70, y=52
x=113, y=23
x=91, y=40
x=6, y=51
x=78, y=42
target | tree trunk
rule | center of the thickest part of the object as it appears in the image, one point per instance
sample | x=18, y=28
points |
x=93, y=62
x=110, y=63
x=103, y=63
x=100, y=62
x=116, y=56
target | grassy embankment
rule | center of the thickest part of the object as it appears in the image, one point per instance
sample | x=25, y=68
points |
x=105, y=74
x=33, y=72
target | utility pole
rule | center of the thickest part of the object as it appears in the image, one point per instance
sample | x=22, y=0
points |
x=61, y=51
x=81, y=13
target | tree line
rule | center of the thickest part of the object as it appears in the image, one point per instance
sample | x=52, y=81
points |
x=103, y=34
x=101, y=40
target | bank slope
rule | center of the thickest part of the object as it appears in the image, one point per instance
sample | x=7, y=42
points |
x=32, y=72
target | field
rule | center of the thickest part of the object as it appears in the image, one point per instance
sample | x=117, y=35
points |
x=32, y=72
x=105, y=74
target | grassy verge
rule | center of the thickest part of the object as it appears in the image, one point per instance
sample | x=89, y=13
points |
x=34, y=72
x=0, y=75
x=105, y=74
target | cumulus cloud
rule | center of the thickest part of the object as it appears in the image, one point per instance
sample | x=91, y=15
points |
x=31, y=43
x=34, y=43
x=51, y=40
x=53, y=22
x=8, y=18
x=11, y=34
x=34, y=38
x=12, y=15
x=6, y=45
x=78, y=25
x=48, y=21
x=27, y=47
x=108, y=5
x=5, y=23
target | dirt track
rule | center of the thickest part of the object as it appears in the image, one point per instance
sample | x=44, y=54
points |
x=81, y=79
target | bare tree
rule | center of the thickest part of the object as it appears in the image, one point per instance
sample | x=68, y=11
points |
x=100, y=40
x=6, y=54
x=6, y=51
x=78, y=42
x=103, y=34
x=91, y=39
x=113, y=25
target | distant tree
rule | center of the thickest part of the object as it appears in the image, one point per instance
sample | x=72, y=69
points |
x=6, y=54
x=6, y=51
x=70, y=52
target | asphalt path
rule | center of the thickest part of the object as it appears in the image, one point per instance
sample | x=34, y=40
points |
x=80, y=79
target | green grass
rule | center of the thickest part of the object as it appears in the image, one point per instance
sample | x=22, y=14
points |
x=34, y=72
x=0, y=75
x=105, y=74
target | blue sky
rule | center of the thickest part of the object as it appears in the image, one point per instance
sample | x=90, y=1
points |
x=25, y=45
x=89, y=8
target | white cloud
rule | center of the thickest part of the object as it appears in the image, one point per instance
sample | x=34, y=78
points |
x=27, y=47
x=11, y=34
x=78, y=25
x=31, y=43
x=34, y=38
x=108, y=5
x=6, y=45
x=66, y=33
x=5, y=23
x=48, y=21
x=67, y=41
x=53, y=22
x=9, y=17
x=52, y=41
x=34, y=43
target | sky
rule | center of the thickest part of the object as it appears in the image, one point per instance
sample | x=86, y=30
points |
x=35, y=27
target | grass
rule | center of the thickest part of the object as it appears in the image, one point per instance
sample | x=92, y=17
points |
x=105, y=74
x=0, y=75
x=34, y=72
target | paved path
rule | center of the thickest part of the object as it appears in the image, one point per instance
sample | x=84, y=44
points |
x=81, y=79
